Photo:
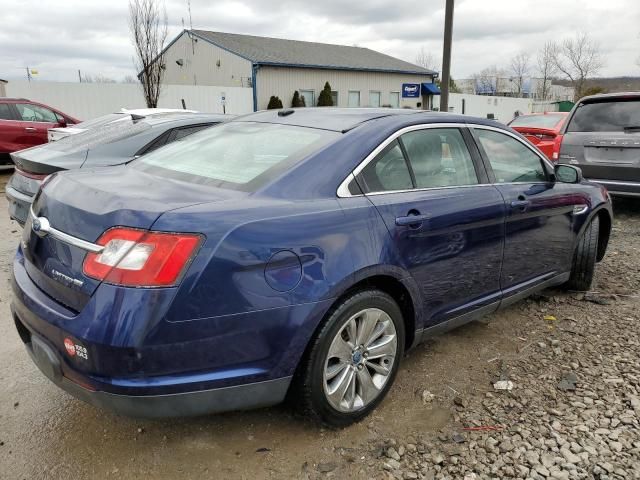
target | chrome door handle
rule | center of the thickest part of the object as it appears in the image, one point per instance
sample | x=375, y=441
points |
x=411, y=220
x=520, y=203
x=31, y=129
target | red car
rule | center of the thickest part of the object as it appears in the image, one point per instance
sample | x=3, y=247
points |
x=541, y=129
x=24, y=124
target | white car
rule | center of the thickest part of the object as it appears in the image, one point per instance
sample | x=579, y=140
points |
x=57, y=133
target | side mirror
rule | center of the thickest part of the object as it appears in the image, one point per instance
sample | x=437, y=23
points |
x=62, y=122
x=568, y=174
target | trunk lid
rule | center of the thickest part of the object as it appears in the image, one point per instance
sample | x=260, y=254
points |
x=85, y=205
x=603, y=155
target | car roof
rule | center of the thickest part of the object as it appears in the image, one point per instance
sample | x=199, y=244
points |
x=609, y=96
x=186, y=118
x=345, y=119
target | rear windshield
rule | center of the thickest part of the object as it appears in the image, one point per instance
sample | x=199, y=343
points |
x=537, y=121
x=613, y=116
x=237, y=155
x=111, y=132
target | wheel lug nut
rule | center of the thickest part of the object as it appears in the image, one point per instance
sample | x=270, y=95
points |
x=360, y=367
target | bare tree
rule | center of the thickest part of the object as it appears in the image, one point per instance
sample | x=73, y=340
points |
x=148, y=26
x=426, y=60
x=547, y=69
x=577, y=59
x=520, y=68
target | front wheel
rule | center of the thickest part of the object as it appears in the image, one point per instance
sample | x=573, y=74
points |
x=584, y=258
x=354, y=359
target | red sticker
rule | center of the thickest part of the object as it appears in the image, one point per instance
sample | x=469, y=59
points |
x=70, y=346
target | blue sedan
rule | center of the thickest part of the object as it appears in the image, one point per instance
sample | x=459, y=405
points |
x=293, y=252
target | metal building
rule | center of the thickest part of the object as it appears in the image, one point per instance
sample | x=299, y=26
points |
x=359, y=77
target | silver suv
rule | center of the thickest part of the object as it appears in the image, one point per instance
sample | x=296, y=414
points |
x=602, y=137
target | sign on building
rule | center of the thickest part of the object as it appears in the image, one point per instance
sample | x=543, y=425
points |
x=410, y=90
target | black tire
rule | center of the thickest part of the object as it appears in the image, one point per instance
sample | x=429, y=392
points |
x=584, y=258
x=308, y=389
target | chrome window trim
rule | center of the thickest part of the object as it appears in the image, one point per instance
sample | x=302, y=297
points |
x=613, y=182
x=46, y=229
x=343, y=188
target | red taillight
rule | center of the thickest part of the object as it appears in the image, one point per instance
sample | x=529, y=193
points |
x=557, y=143
x=137, y=258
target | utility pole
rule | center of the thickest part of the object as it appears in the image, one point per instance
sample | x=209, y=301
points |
x=79, y=76
x=446, y=57
x=28, y=75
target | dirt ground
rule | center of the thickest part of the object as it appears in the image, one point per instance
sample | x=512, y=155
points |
x=45, y=433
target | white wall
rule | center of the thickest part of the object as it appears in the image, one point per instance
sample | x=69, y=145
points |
x=204, y=64
x=89, y=100
x=503, y=108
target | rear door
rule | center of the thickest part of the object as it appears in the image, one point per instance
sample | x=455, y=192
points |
x=35, y=122
x=539, y=237
x=602, y=137
x=445, y=221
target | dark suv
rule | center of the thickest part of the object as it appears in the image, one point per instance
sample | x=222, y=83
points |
x=602, y=137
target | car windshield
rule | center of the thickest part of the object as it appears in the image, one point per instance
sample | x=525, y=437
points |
x=537, y=121
x=237, y=155
x=609, y=116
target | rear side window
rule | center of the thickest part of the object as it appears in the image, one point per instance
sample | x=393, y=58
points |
x=387, y=172
x=5, y=112
x=238, y=155
x=439, y=158
x=35, y=113
x=186, y=131
x=613, y=116
x=511, y=161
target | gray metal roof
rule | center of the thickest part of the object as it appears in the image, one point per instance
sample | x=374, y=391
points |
x=281, y=52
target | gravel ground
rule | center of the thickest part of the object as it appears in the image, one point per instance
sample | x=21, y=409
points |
x=573, y=411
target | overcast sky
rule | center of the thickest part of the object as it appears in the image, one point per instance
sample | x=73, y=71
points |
x=59, y=37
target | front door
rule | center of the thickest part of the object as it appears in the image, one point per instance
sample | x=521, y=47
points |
x=445, y=222
x=539, y=237
x=35, y=123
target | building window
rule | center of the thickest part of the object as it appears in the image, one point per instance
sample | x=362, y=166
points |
x=394, y=99
x=334, y=98
x=309, y=97
x=374, y=99
x=354, y=99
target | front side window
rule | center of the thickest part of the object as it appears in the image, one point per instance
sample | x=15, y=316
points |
x=511, y=161
x=35, y=113
x=387, y=172
x=5, y=112
x=238, y=155
x=439, y=158
x=354, y=98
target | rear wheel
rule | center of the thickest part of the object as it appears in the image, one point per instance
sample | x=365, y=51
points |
x=353, y=360
x=584, y=258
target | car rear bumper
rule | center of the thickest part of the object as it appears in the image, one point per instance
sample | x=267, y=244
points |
x=181, y=377
x=239, y=397
x=19, y=204
x=619, y=188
